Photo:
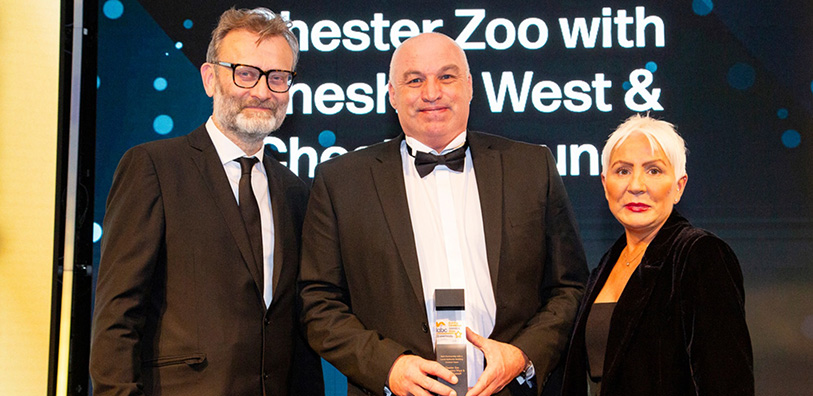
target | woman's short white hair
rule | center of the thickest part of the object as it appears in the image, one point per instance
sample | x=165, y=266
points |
x=658, y=132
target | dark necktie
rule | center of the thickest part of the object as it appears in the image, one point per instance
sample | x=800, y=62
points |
x=426, y=162
x=250, y=210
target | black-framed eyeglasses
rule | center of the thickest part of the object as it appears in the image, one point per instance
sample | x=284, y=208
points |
x=247, y=76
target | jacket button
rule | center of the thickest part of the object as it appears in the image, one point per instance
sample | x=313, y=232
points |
x=267, y=321
x=266, y=376
x=425, y=327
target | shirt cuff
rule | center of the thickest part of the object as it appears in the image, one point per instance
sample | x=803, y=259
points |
x=525, y=376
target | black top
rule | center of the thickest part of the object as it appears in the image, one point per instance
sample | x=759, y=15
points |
x=679, y=326
x=595, y=337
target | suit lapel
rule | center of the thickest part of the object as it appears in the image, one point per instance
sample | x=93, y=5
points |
x=208, y=163
x=489, y=174
x=637, y=294
x=388, y=178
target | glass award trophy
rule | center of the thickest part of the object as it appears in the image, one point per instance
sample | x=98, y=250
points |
x=450, y=331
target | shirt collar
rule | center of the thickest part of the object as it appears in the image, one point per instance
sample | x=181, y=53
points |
x=458, y=141
x=226, y=149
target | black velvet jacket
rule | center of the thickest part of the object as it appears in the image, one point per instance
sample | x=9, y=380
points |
x=679, y=326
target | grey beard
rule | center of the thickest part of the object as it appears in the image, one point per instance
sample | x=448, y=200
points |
x=256, y=128
x=249, y=129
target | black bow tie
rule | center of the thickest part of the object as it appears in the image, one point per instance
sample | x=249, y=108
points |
x=425, y=162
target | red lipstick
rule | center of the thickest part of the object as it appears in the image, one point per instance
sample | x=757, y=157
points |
x=636, y=206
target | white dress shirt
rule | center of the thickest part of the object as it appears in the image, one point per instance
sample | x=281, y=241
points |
x=228, y=152
x=447, y=222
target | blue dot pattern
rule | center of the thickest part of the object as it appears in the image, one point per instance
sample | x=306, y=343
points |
x=163, y=124
x=97, y=232
x=113, y=9
x=327, y=138
x=652, y=66
x=741, y=76
x=160, y=84
x=782, y=113
x=791, y=138
x=702, y=7
x=188, y=24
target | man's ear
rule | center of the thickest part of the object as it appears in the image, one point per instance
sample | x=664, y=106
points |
x=207, y=74
x=471, y=87
x=391, y=91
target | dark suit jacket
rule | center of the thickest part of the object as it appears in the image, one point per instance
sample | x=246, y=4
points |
x=179, y=308
x=679, y=326
x=360, y=278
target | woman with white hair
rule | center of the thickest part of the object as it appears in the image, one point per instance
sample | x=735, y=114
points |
x=663, y=313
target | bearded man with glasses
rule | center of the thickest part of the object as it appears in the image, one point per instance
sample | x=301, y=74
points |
x=196, y=292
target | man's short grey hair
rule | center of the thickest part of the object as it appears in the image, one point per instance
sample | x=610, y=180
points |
x=261, y=21
x=465, y=59
x=659, y=133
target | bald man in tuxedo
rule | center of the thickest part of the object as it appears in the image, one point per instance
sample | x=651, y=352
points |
x=441, y=206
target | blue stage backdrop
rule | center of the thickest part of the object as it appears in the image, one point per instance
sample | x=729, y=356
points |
x=735, y=77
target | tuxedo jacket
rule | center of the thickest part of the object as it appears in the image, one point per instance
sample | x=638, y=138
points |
x=679, y=326
x=179, y=307
x=360, y=277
